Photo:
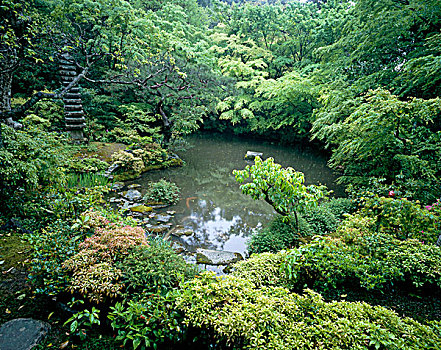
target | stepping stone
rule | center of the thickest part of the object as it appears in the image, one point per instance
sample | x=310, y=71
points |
x=22, y=333
x=182, y=232
x=156, y=228
x=132, y=195
x=142, y=209
x=163, y=218
x=251, y=155
x=134, y=186
x=117, y=186
x=216, y=257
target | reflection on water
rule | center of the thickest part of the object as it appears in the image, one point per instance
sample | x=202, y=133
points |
x=212, y=204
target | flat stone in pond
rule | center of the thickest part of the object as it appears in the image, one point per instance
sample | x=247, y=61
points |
x=118, y=186
x=216, y=257
x=163, y=218
x=251, y=155
x=142, y=209
x=134, y=186
x=22, y=333
x=132, y=195
x=178, y=232
x=156, y=228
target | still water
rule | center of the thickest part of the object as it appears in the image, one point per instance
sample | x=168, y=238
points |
x=212, y=204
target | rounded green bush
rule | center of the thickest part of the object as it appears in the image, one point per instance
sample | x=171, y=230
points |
x=162, y=191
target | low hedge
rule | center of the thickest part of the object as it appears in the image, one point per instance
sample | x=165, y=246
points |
x=235, y=312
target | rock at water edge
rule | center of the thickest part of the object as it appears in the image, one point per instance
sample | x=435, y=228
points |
x=132, y=195
x=216, y=257
x=141, y=209
x=251, y=155
x=22, y=333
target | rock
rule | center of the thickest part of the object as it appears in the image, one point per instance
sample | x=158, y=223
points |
x=178, y=247
x=251, y=155
x=182, y=232
x=216, y=257
x=115, y=200
x=163, y=218
x=125, y=205
x=156, y=228
x=134, y=186
x=141, y=209
x=118, y=186
x=111, y=169
x=22, y=333
x=171, y=212
x=190, y=259
x=132, y=195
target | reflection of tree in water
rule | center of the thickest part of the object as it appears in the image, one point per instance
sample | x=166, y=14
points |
x=214, y=226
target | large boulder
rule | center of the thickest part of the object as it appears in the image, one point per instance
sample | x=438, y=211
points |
x=22, y=333
x=216, y=257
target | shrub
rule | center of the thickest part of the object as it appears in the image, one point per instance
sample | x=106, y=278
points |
x=162, y=191
x=52, y=246
x=339, y=207
x=29, y=161
x=262, y=269
x=93, y=269
x=148, y=322
x=153, y=267
x=403, y=218
x=277, y=236
x=320, y=220
x=273, y=318
x=85, y=165
x=374, y=261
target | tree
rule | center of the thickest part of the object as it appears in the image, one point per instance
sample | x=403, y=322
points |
x=386, y=137
x=282, y=188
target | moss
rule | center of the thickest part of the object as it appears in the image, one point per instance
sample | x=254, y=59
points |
x=101, y=150
x=131, y=175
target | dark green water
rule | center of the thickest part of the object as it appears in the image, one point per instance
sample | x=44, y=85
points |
x=212, y=204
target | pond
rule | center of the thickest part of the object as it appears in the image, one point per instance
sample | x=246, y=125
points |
x=212, y=204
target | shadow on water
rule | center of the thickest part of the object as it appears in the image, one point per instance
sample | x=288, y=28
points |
x=212, y=204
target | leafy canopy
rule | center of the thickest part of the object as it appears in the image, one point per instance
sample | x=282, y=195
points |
x=283, y=188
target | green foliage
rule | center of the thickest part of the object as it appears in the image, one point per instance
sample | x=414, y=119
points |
x=148, y=322
x=277, y=236
x=320, y=220
x=30, y=160
x=236, y=312
x=262, y=269
x=86, y=180
x=140, y=157
x=85, y=165
x=51, y=247
x=339, y=207
x=138, y=117
x=83, y=320
x=370, y=261
x=154, y=267
x=283, y=188
x=162, y=191
x=94, y=270
x=403, y=218
x=383, y=136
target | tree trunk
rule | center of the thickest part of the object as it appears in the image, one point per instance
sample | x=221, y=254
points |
x=5, y=89
x=6, y=71
x=166, y=125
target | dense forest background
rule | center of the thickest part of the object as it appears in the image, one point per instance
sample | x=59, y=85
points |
x=361, y=78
